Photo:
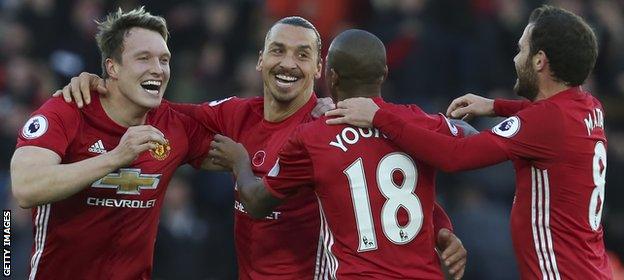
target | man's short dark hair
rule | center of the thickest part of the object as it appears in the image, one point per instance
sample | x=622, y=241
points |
x=301, y=22
x=568, y=41
x=358, y=57
x=112, y=31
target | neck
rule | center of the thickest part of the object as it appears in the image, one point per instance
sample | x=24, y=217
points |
x=368, y=91
x=276, y=111
x=548, y=88
x=120, y=109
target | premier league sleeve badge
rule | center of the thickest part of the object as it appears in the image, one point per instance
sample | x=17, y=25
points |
x=35, y=127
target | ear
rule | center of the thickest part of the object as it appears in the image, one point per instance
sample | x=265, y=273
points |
x=319, y=69
x=539, y=61
x=385, y=75
x=112, y=68
x=259, y=64
x=333, y=78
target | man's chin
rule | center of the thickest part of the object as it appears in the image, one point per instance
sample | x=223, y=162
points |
x=523, y=92
x=526, y=94
x=282, y=95
x=151, y=104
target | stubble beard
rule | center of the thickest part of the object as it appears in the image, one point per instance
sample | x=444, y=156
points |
x=526, y=84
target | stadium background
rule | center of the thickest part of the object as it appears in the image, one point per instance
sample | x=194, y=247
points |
x=437, y=50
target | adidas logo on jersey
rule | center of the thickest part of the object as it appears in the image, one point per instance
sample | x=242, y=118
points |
x=97, y=148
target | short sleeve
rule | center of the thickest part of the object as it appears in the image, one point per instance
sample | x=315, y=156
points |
x=293, y=169
x=199, y=138
x=535, y=133
x=214, y=115
x=53, y=126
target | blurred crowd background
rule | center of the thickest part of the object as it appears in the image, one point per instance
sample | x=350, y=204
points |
x=437, y=50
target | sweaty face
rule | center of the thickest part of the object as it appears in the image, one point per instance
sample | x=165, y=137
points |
x=526, y=83
x=289, y=62
x=143, y=73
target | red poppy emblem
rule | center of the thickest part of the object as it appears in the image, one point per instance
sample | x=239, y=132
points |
x=258, y=158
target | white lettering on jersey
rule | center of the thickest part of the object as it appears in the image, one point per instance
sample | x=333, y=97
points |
x=351, y=136
x=594, y=119
x=507, y=128
x=241, y=208
x=121, y=203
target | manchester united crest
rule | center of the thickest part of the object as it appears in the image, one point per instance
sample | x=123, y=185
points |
x=161, y=151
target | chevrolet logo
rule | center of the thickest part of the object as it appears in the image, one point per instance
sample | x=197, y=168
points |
x=128, y=181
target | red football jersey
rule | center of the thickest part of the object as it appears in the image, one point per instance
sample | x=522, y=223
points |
x=283, y=245
x=558, y=148
x=376, y=201
x=108, y=230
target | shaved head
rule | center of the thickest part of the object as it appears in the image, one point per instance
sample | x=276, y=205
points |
x=357, y=59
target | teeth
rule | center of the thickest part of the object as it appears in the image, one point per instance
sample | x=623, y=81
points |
x=286, y=78
x=152, y=82
x=151, y=91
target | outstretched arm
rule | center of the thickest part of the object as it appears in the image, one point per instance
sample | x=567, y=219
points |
x=467, y=129
x=507, y=108
x=195, y=111
x=440, y=151
x=470, y=105
x=258, y=201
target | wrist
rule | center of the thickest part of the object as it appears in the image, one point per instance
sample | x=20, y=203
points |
x=113, y=159
x=377, y=118
x=240, y=165
x=491, y=110
x=371, y=120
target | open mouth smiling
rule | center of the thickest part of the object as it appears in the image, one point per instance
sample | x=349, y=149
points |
x=152, y=86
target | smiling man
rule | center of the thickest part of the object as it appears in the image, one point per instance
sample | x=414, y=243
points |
x=376, y=202
x=285, y=244
x=101, y=173
x=555, y=139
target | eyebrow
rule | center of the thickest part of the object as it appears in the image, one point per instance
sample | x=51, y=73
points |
x=149, y=53
x=306, y=47
x=277, y=44
x=281, y=45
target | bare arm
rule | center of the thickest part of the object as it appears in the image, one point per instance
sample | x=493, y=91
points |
x=258, y=201
x=254, y=195
x=38, y=177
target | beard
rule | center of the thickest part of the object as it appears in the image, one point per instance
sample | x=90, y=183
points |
x=526, y=84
